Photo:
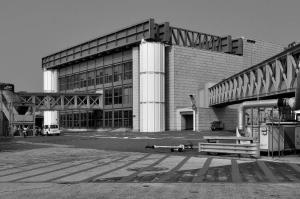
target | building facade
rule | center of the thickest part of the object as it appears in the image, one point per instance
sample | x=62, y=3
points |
x=146, y=73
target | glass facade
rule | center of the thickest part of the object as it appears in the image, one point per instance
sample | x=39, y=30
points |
x=113, y=75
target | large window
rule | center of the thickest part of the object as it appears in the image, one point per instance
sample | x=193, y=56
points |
x=62, y=83
x=108, y=97
x=118, y=95
x=76, y=81
x=108, y=119
x=76, y=120
x=128, y=118
x=118, y=72
x=108, y=75
x=82, y=80
x=127, y=95
x=98, y=116
x=91, y=78
x=128, y=70
x=118, y=118
x=99, y=76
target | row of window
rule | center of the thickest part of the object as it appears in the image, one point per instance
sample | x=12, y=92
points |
x=97, y=119
x=109, y=74
x=118, y=95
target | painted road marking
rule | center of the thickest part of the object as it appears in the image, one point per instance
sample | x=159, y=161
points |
x=129, y=170
x=165, y=166
x=171, y=173
x=193, y=163
x=136, y=174
x=25, y=168
x=38, y=171
x=66, y=171
x=201, y=173
x=216, y=162
x=268, y=173
x=235, y=172
x=102, y=170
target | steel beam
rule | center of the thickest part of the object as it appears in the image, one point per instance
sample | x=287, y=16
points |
x=272, y=77
x=61, y=101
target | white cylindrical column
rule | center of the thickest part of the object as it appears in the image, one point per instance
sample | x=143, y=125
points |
x=152, y=87
x=50, y=85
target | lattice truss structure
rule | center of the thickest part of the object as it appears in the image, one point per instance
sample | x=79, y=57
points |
x=61, y=101
x=199, y=40
x=274, y=76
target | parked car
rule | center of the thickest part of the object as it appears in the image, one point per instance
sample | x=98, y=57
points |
x=52, y=129
x=216, y=125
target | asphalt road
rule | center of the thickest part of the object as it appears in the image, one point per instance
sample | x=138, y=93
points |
x=117, y=141
x=117, y=165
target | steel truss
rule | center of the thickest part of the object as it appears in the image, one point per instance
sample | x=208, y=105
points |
x=61, y=101
x=271, y=77
x=132, y=35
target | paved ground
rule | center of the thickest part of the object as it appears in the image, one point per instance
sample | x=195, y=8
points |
x=74, y=163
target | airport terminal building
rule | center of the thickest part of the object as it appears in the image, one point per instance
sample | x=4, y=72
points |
x=146, y=73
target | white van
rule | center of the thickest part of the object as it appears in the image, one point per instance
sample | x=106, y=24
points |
x=51, y=129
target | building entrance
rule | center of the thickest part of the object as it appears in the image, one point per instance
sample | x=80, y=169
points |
x=187, y=120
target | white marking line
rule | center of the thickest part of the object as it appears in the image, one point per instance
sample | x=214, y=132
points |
x=193, y=163
x=220, y=162
x=66, y=171
x=126, y=171
x=244, y=161
x=37, y=171
x=24, y=168
x=98, y=170
x=166, y=165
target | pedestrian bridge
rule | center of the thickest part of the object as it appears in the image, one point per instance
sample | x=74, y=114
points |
x=21, y=107
x=61, y=101
x=271, y=78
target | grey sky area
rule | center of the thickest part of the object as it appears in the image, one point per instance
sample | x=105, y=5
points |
x=31, y=29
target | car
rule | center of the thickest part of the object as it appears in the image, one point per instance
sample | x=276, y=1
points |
x=52, y=129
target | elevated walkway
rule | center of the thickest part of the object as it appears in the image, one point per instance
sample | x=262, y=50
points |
x=272, y=78
x=20, y=108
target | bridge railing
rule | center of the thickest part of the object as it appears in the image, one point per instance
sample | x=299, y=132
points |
x=274, y=76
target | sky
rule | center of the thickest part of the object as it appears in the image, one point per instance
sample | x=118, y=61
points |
x=32, y=29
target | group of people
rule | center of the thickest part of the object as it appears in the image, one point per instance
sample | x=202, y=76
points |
x=22, y=130
x=26, y=130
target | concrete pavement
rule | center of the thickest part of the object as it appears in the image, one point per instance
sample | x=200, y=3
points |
x=64, y=171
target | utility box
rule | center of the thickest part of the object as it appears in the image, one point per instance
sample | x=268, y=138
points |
x=285, y=136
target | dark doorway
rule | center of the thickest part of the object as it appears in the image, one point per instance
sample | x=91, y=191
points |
x=189, y=123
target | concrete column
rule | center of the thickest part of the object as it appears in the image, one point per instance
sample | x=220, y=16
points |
x=135, y=89
x=152, y=87
x=50, y=85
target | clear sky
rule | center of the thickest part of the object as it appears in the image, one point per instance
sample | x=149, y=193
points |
x=32, y=29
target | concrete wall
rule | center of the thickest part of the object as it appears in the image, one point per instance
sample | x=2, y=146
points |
x=228, y=115
x=188, y=70
x=259, y=51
